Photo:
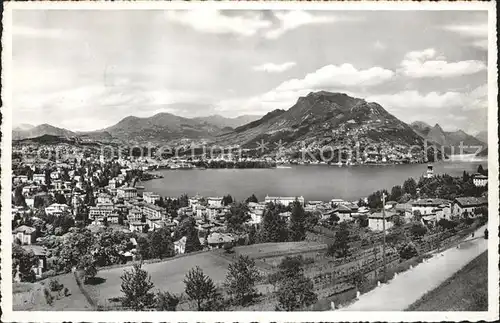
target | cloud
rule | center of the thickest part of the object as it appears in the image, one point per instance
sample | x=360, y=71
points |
x=478, y=33
x=274, y=68
x=333, y=76
x=408, y=100
x=420, y=64
x=290, y=20
x=343, y=78
x=213, y=21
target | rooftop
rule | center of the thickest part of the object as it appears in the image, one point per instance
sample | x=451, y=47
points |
x=471, y=201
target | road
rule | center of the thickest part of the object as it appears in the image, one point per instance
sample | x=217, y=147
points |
x=408, y=287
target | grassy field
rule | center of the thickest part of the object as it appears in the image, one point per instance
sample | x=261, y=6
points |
x=166, y=276
x=466, y=290
x=274, y=249
x=30, y=297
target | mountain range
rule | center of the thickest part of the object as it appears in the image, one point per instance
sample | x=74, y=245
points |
x=318, y=119
x=448, y=139
x=325, y=118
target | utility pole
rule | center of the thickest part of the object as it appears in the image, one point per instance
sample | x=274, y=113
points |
x=383, y=228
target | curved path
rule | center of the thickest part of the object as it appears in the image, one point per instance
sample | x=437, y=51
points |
x=408, y=287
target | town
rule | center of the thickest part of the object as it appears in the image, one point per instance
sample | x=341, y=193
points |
x=89, y=213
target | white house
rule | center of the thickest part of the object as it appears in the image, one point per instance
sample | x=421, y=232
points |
x=214, y=201
x=150, y=197
x=376, y=221
x=429, y=206
x=25, y=234
x=39, y=178
x=469, y=204
x=480, y=180
x=180, y=246
x=56, y=208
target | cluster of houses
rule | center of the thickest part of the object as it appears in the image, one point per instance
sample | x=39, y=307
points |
x=130, y=208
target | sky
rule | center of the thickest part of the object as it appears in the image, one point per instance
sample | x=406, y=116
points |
x=87, y=69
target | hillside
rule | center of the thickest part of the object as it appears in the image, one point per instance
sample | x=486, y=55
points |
x=325, y=118
x=223, y=122
x=436, y=135
x=40, y=130
x=482, y=136
x=161, y=127
x=421, y=127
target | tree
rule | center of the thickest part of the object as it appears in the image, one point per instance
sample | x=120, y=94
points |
x=417, y=215
x=273, y=228
x=340, y=246
x=18, y=197
x=201, y=289
x=143, y=247
x=408, y=251
x=396, y=193
x=87, y=265
x=241, y=278
x=75, y=245
x=23, y=263
x=418, y=230
x=481, y=170
x=297, y=223
x=48, y=180
x=187, y=228
x=295, y=290
x=136, y=285
x=410, y=187
x=145, y=228
x=237, y=216
x=166, y=301
x=226, y=200
x=398, y=220
x=60, y=198
x=161, y=244
x=252, y=199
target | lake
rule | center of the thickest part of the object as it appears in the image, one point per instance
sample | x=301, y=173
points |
x=318, y=182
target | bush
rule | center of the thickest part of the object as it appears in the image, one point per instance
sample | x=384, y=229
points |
x=55, y=286
x=48, y=296
x=66, y=291
x=408, y=251
x=48, y=273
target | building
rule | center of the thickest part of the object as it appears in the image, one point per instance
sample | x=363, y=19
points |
x=56, y=209
x=21, y=179
x=480, y=180
x=30, y=189
x=376, y=221
x=217, y=240
x=152, y=211
x=430, y=171
x=462, y=205
x=41, y=253
x=256, y=216
x=25, y=234
x=39, y=178
x=100, y=211
x=150, y=197
x=134, y=215
x=136, y=226
x=126, y=192
x=430, y=206
x=343, y=212
x=284, y=200
x=214, y=201
x=180, y=246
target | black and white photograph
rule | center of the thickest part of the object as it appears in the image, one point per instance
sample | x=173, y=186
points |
x=263, y=158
